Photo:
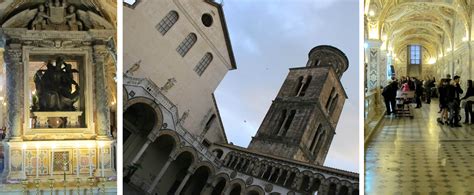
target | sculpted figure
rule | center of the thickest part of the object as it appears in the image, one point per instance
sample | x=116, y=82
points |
x=40, y=20
x=72, y=20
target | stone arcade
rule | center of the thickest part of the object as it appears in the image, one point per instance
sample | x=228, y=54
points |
x=58, y=56
x=285, y=157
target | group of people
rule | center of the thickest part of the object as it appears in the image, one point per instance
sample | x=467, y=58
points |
x=449, y=92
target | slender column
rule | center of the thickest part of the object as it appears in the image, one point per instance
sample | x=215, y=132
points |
x=162, y=172
x=207, y=189
x=310, y=184
x=183, y=183
x=101, y=99
x=288, y=174
x=14, y=90
x=141, y=151
x=271, y=173
x=373, y=70
x=280, y=172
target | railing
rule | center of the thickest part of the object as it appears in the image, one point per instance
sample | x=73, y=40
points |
x=373, y=111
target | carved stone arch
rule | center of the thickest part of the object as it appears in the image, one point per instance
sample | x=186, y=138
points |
x=191, y=150
x=254, y=188
x=219, y=177
x=218, y=152
x=205, y=164
x=158, y=114
x=234, y=183
x=333, y=180
x=345, y=183
x=307, y=173
x=174, y=136
x=320, y=177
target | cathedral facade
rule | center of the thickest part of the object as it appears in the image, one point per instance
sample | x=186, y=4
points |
x=175, y=55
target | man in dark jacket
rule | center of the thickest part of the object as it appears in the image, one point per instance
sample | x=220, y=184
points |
x=418, y=91
x=468, y=107
x=386, y=93
x=454, y=92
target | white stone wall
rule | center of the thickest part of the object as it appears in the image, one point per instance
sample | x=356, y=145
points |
x=160, y=61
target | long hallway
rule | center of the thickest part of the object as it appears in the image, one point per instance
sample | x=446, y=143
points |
x=419, y=156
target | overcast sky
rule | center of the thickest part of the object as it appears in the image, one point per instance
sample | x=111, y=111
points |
x=270, y=36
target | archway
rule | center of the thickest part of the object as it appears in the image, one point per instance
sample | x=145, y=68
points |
x=253, y=193
x=218, y=189
x=197, y=181
x=235, y=190
x=344, y=190
x=155, y=156
x=332, y=189
x=175, y=173
x=139, y=118
x=218, y=153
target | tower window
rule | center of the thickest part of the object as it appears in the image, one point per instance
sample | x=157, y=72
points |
x=333, y=103
x=305, y=86
x=167, y=22
x=287, y=123
x=281, y=120
x=328, y=102
x=319, y=143
x=186, y=45
x=298, y=86
x=315, y=137
x=203, y=63
x=415, y=54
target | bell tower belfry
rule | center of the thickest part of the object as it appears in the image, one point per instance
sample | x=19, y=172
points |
x=302, y=119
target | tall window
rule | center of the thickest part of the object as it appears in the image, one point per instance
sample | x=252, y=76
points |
x=305, y=86
x=328, y=102
x=415, y=54
x=203, y=63
x=287, y=123
x=186, y=45
x=167, y=22
x=315, y=138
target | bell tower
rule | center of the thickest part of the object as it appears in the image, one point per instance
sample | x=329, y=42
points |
x=302, y=119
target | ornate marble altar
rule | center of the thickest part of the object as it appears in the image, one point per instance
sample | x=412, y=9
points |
x=58, y=109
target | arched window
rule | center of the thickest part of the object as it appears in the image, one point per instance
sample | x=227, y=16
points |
x=203, y=63
x=315, y=137
x=328, y=103
x=287, y=123
x=186, y=45
x=333, y=103
x=209, y=122
x=281, y=120
x=305, y=86
x=298, y=86
x=167, y=22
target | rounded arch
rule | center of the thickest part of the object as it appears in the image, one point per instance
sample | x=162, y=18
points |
x=142, y=114
x=198, y=179
x=218, y=152
x=254, y=190
x=219, y=183
x=186, y=149
x=236, y=187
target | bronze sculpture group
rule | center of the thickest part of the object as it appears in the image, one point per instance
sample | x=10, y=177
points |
x=54, y=87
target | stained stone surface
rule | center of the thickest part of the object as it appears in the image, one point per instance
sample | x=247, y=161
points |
x=418, y=156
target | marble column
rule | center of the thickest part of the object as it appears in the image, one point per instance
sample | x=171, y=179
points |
x=160, y=174
x=141, y=151
x=373, y=65
x=102, y=110
x=207, y=189
x=14, y=90
x=184, y=181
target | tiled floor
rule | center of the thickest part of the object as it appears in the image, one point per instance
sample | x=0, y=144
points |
x=418, y=156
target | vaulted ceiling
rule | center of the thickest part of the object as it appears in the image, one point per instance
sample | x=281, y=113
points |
x=430, y=23
x=106, y=8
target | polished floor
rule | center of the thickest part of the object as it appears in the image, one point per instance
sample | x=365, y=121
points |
x=418, y=156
